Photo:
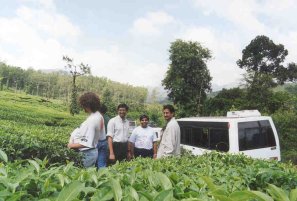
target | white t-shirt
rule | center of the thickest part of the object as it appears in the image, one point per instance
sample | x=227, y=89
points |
x=74, y=136
x=91, y=131
x=118, y=129
x=143, y=138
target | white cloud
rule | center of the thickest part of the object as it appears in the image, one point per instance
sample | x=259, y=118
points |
x=152, y=23
x=115, y=65
x=34, y=38
x=240, y=12
x=45, y=4
x=51, y=23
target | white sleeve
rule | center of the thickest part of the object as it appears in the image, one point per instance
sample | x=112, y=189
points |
x=133, y=136
x=87, y=134
x=110, y=128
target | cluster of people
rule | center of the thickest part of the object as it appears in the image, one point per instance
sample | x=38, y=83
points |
x=103, y=141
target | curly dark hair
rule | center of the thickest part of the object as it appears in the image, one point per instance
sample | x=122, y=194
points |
x=90, y=100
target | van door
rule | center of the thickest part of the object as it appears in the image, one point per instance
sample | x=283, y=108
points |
x=257, y=139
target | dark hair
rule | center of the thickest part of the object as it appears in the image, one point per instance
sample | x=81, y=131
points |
x=90, y=100
x=123, y=105
x=169, y=107
x=143, y=116
x=103, y=109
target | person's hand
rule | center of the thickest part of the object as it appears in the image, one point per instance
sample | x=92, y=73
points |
x=111, y=157
x=155, y=156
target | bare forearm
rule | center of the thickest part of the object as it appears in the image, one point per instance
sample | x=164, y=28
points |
x=75, y=146
x=110, y=146
x=155, y=148
x=131, y=148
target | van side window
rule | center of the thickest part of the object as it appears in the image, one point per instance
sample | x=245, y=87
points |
x=255, y=135
x=205, y=135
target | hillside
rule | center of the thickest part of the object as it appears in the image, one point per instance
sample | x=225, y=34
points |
x=31, y=126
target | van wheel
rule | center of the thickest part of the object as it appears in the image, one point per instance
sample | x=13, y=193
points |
x=222, y=146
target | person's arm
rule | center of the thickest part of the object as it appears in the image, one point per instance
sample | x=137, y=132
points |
x=155, y=147
x=75, y=146
x=130, y=150
x=131, y=144
x=110, y=146
x=110, y=134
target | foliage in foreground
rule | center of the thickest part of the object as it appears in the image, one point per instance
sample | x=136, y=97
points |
x=211, y=177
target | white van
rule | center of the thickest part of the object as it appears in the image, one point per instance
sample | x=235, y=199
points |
x=157, y=131
x=132, y=126
x=239, y=132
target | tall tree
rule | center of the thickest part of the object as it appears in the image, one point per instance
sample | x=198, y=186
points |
x=75, y=71
x=264, y=62
x=188, y=79
x=263, y=56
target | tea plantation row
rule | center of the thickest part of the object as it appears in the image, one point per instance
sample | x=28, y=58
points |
x=207, y=178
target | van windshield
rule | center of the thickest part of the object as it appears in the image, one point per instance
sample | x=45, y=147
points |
x=206, y=135
x=132, y=123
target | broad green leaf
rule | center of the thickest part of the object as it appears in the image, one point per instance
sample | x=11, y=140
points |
x=12, y=186
x=116, y=188
x=35, y=165
x=3, y=172
x=209, y=183
x=223, y=198
x=152, y=178
x=102, y=194
x=87, y=190
x=68, y=167
x=220, y=191
x=242, y=195
x=277, y=193
x=71, y=191
x=192, y=199
x=61, y=179
x=148, y=196
x=164, y=180
x=293, y=195
x=165, y=195
x=3, y=156
x=16, y=196
x=133, y=193
x=262, y=196
x=5, y=193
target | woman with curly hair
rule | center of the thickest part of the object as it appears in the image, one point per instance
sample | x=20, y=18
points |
x=91, y=131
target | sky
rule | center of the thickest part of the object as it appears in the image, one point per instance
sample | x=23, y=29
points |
x=128, y=41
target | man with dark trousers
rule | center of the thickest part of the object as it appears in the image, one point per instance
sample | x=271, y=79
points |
x=118, y=135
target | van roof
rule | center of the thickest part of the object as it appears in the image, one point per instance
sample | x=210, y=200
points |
x=223, y=119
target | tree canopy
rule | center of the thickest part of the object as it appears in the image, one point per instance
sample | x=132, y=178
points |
x=188, y=79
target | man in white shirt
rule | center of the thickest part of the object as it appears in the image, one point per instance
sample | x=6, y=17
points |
x=91, y=131
x=170, y=136
x=118, y=134
x=143, y=140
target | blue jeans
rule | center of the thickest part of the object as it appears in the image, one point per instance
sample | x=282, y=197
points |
x=89, y=157
x=102, y=153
